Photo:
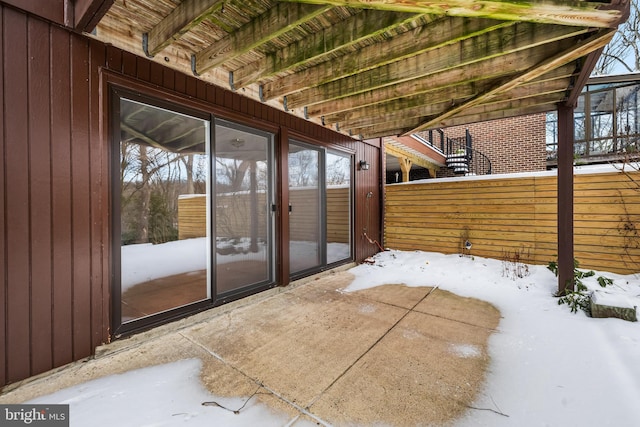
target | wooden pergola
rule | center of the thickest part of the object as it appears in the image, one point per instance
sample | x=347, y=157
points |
x=377, y=68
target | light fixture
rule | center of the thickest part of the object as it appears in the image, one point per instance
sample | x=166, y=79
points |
x=364, y=166
x=237, y=142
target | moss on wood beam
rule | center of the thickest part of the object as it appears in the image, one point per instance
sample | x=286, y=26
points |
x=274, y=23
x=493, y=68
x=401, y=54
x=564, y=12
x=323, y=44
x=583, y=48
x=479, y=47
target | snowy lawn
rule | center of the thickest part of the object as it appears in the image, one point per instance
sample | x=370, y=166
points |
x=549, y=367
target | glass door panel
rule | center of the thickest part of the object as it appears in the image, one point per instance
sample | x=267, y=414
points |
x=338, y=206
x=164, y=210
x=305, y=208
x=243, y=198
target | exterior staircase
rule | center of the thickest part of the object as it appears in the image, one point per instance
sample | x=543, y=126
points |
x=463, y=159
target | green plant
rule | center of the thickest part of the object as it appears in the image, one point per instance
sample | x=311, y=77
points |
x=580, y=297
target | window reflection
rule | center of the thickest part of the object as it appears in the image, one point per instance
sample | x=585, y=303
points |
x=163, y=186
x=305, y=227
x=338, y=179
x=243, y=201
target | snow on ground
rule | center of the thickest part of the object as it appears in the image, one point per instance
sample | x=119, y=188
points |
x=549, y=367
x=165, y=395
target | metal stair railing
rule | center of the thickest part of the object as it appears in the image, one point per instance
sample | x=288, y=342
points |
x=464, y=159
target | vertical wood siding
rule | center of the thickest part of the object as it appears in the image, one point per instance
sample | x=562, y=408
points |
x=502, y=217
x=3, y=217
x=54, y=185
x=53, y=200
x=367, y=215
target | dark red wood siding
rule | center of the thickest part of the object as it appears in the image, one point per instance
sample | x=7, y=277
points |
x=368, y=193
x=51, y=10
x=54, y=185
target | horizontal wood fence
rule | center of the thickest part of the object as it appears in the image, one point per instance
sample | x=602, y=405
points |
x=233, y=215
x=508, y=217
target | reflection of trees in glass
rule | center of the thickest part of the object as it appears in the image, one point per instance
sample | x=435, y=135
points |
x=151, y=181
x=162, y=155
x=241, y=199
x=303, y=168
x=231, y=175
x=338, y=169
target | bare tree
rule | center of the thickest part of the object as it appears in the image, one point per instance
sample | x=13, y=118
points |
x=623, y=52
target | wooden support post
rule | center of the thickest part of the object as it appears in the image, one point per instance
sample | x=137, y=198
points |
x=405, y=166
x=565, y=198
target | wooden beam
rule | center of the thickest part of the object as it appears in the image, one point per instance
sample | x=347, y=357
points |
x=500, y=114
x=493, y=68
x=587, y=66
x=411, y=46
x=321, y=45
x=594, y=42
x=268, y=26
x=504, y=103
x=517, y=37
x=562, y=12
x=187, y=15
x=405, y=167
x=401, y=127
x=427, y=104
x=394, y=151
x=565, y=199
x=87, y=13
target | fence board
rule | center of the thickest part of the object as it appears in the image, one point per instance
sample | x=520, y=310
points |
x=519, y=214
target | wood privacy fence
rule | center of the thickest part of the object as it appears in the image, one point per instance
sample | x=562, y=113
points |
x=233, y=215
x=511, y=217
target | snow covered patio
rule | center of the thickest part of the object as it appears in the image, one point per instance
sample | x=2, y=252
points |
x=390, y=355
x=355, y=348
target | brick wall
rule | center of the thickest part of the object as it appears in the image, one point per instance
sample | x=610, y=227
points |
x=513, y=144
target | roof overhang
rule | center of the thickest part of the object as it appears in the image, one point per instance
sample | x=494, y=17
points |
x=375, y=68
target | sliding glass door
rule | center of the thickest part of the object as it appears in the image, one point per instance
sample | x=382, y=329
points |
x=306, y=228
x=338, y=206
x=319, y=207
x=243, y=200
x=194, y=209
x=192, y=218
x=163, y=200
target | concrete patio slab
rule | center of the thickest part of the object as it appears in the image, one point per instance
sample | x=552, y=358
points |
x=425, y=371
x=397, y=295
x=311, y=334
x=467, y=310
x=316, y=355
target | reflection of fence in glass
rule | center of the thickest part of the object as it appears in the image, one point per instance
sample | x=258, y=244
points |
x=338, y=214
x=232, y=214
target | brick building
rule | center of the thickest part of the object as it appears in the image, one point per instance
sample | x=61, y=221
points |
x=515, y=144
